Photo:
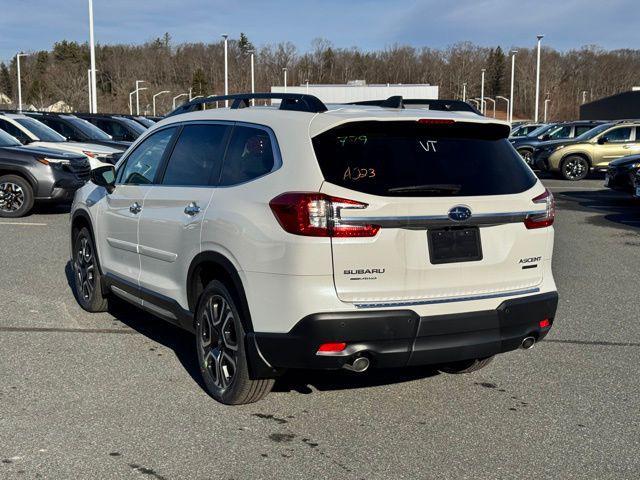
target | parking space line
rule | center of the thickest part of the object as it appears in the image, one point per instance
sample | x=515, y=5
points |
x=127, y=331
x=26, y=224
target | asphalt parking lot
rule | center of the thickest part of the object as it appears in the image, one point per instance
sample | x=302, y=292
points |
x=117, y=395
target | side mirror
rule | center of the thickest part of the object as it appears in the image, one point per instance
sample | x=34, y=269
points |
x=545, y=137
x=104, y=176
x=602, y=140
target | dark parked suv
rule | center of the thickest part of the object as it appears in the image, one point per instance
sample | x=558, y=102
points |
x=77, y=129
x=120, y=128
x=35, y=174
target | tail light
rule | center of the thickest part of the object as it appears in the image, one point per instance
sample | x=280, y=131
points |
x=543, y=219
x=333, y=347
x=89, y=153
x=317, y=215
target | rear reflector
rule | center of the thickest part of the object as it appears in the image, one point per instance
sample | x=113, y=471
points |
x=315, y=214
x=543, y=219
x=436, y=121
x=545, y=323
x=332, y=347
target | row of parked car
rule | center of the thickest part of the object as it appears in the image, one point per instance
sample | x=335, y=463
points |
x=572, y=150
x=46, y=157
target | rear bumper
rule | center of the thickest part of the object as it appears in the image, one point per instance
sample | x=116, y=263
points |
x=397, y=338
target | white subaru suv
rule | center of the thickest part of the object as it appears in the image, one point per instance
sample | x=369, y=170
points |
x=296, y=236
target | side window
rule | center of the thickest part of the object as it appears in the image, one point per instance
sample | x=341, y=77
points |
x=582, y=129
x=618, y=135
x=105, y=127
x=11, y=129
x=197, y=154
x=142, y=165
x=249, y=156
x=60, y=127
x=562, y=132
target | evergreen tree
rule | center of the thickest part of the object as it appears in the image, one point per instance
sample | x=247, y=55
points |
x=495, y=71
x=199, y=83
x=244, y=44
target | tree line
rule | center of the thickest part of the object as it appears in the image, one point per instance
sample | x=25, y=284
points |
x=567, y=77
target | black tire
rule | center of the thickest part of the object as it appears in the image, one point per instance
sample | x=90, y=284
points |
x=574, y=168
x=220, y=342
x=16, y=196
x=86, y=273
x=465, y=366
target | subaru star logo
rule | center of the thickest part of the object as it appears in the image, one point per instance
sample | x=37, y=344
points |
x=460, y=213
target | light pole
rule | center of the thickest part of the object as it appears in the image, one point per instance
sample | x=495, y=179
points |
x=89, y=86
x=284, y=70
x=546, y=102
x=177, y=97
x=253, y=77
x=498, y=97
x=138, y=82
x=513, y=76
x=307, y=84
x=464, y=92
x=584, y=96
x=226, y=68
x=488, y=99
x=154, y=100
x=482, y=92
x=539, y=37
x=131, y=100
x=20, y=80
x=94, y=94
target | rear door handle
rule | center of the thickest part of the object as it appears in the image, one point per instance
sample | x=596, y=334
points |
x=192, y=209
x=135, y=208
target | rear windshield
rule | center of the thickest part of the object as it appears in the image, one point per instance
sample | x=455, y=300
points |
x=412, y=159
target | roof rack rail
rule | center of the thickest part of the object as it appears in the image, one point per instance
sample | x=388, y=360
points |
x=298, y=102
x=442, y=105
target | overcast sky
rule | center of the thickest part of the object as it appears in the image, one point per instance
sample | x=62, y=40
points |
x=29, y=25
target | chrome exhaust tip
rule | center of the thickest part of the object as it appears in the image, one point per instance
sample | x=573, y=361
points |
x=528, y=343
x=358, y=365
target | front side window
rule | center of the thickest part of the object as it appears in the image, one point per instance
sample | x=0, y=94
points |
x=560, y=132
x=618, y=135
x=40, y=130
x=583, y=129
x=142, y=165
x=196, y=156
x=14, y=131
x=249, y=156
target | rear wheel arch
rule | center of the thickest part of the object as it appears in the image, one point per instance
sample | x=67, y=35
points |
x=208, y=266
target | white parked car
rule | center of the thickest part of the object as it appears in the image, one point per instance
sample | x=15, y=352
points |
x=32, y=132
x=301, y=237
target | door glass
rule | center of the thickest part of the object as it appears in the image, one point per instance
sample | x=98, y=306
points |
x=249, y=156
x=619, y=135
x=142, y=165
x=197, y=154
x=14, y=131
x=584, y=129
x=560, y=132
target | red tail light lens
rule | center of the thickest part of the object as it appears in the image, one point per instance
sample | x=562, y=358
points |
x=436, y=121
x=332, y=347
x=545, y=323
x=317, y=215
x=546, y=218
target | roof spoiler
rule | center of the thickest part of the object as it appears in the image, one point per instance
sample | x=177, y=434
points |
x=297, y=102
x=442, y=105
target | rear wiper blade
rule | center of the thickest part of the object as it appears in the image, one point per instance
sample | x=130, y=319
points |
x=432, y=188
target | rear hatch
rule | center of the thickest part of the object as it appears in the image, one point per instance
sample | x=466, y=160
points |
x=449, y=200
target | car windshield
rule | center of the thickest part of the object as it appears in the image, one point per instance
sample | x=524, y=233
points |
x=145, y=121
x=7, y=140
x=593, y=132
x=540, y=130
x=40, y=130
x=135, y=126
x=88, y=128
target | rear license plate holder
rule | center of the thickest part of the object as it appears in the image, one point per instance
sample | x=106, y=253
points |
x=454, y=245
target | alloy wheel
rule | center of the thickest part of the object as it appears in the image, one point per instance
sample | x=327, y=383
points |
x=11, y=197
x=527, y=156
x=85, y=268
x=575, y=168
x=218, y=341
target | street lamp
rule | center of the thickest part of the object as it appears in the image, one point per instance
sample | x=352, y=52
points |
x=154, y=100
x=138, y=82
x=92, y=49
x=513, y=76
x=539, y=37
x=482, y=92
x=284, y=70
x=226, y=68
x=177, y=97
x=498, y=97
x=464, y=92
x=546, y=102
x=19, y=79
x=131, y=100
x=488, y=99
x=253, y=77
x=584, y=96
x=89, y=85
